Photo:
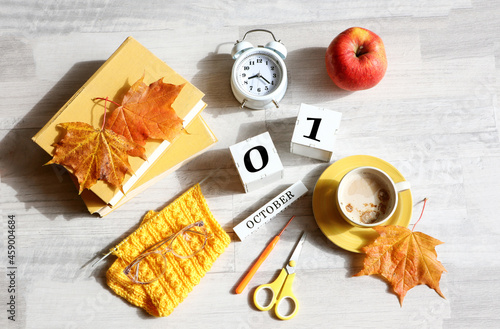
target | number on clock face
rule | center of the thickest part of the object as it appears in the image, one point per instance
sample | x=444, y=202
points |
x=259, y=74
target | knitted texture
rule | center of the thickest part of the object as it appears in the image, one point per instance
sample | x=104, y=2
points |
x=159, y=298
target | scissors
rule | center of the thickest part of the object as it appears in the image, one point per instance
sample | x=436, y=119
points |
x=281, y=288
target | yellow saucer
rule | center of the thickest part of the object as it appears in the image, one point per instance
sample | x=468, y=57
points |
x=327, y=216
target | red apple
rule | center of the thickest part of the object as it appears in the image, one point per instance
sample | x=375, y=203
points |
x=355, y=59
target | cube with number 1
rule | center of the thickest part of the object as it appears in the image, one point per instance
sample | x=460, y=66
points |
x=315, y=132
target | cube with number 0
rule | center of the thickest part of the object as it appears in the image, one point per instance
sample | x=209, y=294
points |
x=315, y=132
x=257, y=161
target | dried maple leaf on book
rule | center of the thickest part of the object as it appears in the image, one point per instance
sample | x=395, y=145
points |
x=404, y=258
x=95, y=154
x=102, y=154
x=146, y=112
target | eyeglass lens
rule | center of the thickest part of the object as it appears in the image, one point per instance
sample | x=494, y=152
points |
x=189, y=242
x=153, y=264
x=149, y=268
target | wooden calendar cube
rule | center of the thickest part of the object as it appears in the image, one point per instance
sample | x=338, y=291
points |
x=315, y=132
x=257, y=161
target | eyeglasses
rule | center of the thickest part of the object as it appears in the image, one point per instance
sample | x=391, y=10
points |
x=151, y=264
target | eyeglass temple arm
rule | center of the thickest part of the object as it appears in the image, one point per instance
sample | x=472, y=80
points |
x=195, y=232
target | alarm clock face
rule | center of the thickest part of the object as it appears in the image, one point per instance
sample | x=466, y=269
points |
x=258, y=73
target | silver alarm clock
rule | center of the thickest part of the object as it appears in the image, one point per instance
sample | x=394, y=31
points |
x=259, y=76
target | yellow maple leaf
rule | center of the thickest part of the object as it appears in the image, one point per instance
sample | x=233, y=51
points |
x=95, y=154
x=404, y=258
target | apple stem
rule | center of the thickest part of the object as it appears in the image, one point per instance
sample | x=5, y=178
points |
x=423, y=207
x=360, y=51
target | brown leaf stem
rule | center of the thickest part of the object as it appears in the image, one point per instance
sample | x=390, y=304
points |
x=423, y=207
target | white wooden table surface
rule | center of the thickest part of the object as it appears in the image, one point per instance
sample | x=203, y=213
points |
x=434, y=116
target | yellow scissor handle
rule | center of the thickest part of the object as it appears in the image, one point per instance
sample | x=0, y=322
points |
x=281, y=289
x=286, y=293
x=275, y=288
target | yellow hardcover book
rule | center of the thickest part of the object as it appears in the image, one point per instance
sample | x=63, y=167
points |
x=185, y=148
x=126, y=65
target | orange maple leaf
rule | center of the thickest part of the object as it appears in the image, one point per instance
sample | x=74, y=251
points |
x=146, y=112
x=95, y=154
x=404, y=258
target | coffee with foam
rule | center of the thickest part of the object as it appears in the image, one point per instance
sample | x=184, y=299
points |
x=366, y=197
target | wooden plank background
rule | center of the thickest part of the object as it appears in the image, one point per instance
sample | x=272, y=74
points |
x=434, y=116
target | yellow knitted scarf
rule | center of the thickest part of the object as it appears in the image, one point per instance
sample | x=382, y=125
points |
x=159, y=298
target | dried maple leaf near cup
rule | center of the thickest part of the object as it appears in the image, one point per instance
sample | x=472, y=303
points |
x=93, y=154
x=404, y=258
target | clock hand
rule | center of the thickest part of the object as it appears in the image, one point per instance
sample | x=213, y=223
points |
x=258, y=75
x=264, y=79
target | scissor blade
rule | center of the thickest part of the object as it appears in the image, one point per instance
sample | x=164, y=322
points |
x=296, y=253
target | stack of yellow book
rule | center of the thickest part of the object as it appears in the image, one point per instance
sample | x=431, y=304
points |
x=126, y=65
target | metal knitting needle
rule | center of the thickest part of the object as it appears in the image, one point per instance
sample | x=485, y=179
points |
x=102, y=258
x=260, y=260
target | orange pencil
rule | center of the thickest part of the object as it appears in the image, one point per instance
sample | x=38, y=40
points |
x=260, y=260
